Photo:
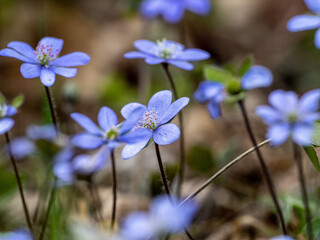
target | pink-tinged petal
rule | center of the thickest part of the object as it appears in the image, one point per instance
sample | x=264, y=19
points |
x=72, y=60
x=86, y=123
x=130, y=107
x=166, y=134
x=173, y=110
x=302, y=134
x=181, y=64
x=303, y=22
x=7, y=52
x=160, y=101
x=55, y=43
x=24, y=49
x=5, y=125
x=131, y=150
x=107, y=118
x=87, y=141
x=29, y=70
x=135, y=54
x=313, y=5
x=257, y=76
x=145, y=46
x=194, y=54
x=65, y=72
x=47, y=76
x=278, y=133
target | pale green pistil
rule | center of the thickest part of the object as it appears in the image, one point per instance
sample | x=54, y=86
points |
x=164, y=51
x=112, y=133
x=292, y=118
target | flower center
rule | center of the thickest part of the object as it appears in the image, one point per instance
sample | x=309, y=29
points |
x=3, y=110
x=292, y=117
x=111, y=134
x=149, y=120
x=165, y=50
x=46, y=54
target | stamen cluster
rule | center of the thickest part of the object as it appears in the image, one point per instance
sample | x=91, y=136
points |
x=149, y=120
x=46, y=54
x=165, y=50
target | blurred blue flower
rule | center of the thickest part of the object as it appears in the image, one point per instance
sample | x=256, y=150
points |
x=257, y=76
x=307, y=21
x=44, y=132
x=213, y=94
x=109, y=132
x=173, y=10
x=287, y=116
x=16, y=235
x=155, y=120
x=167, y=52
x=165, y=217
x=282, y=238
x=6, y=111
x=21, y=147
x=44, y=61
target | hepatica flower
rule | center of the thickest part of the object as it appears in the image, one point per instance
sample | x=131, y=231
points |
x=165, y=217
x=16, y=235
x=6, y=111
x=155, y=120
x=166, y=51
x=44, y=61
x=173, y=10
x=290, y=117
x=307, y=21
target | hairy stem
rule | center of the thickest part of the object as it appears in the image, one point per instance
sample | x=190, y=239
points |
x=114, y=190
x=263, y=166
x=52, y=112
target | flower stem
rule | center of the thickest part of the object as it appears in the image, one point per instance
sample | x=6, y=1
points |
x=180, y=118
x=97, y=215
x=16, y=172
x=298, y=160
x=263, y=166
x=114, y=190
x=52, y=112
x=222, y=170
x=165, y=183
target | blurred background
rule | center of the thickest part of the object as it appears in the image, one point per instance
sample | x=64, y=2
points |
x=237, y=205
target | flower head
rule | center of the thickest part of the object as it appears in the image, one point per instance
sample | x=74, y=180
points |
x=307, y=21
x=109, y=132
x=155, y=120
x=173, y=10
x=288, y=116
x=16, y=235
x=21, y=147
x=44, y=61
x=165, y=217
x=6, y=111
x=166, y=51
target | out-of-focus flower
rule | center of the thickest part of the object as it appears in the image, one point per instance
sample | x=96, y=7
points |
x=288, y=116
x=44, y=61
x=6, y=111
x=17, y=235
x=257, y=76
x=165, y=217
x=109, y=132
x=169, y=52
x=282, y=238
x=173, y=10
x=155, y=120
x=22, y=147
x=307, y=21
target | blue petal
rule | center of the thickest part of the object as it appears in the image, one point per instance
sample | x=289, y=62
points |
x=174, y=12
x=47, y=76
x=214, y=109
x=17, y=235
x=278, y=133
x=24, y=49
x=154, y=60
x=135, y=136
x=145, y=46
x=208, y=90
x=22, y=147
x=313, y=5
x=66, y=72
x=41, y=132
x=151, y=8
x=86, y=123
x=129, y=108
x=29, y=70
x=138, y=226
x=107, y=118
x=6, y=124
x=55, y=43
x=284, y=101
x=130, y=150
x=317, y=39
x=303, y=22
x=201, y=7
x=166, y=134
x=64, y=155
x=194, y=54
x=11, y=111
x=302, y=134
x=72, y=60
x=268, y=114
x=11, y=53
x=132, y=119
x=64, y=172
x=87, y=141
x=282, y=238
x=181, y=64
x=309, y=101
x=173, y=110
x=255, y=77
x=160, y=101
x=135, y=54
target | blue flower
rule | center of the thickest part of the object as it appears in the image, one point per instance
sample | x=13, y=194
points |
x=282, y=238
x=109, y=131
x=44, y=61
x=307, y=21
x=21, y=147
x=173, y=10
x=44, y=132
x=17, y=235
x=155, y=120
x=167, y=52
x=165, y=217
x=287, y=116
x=257, y=76
x=6, y=123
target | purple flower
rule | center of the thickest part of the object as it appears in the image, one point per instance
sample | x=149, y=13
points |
x=44, y=132
x=155, y=120
x=307, y=21
x=173, y=10
x=6, y=123
x=165, y=217
x=22, y=147
x=282, y=238
x=257, y=76
x=287, y=116
x=167, y=52
x=44, y=61
x=17, y=235
x=109, y=131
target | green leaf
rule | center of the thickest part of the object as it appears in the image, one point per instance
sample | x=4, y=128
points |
x=315, y=228
x=17, y=101
x=316, y=134
x=245, y=65
x=219, y=75
x=310, y=151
